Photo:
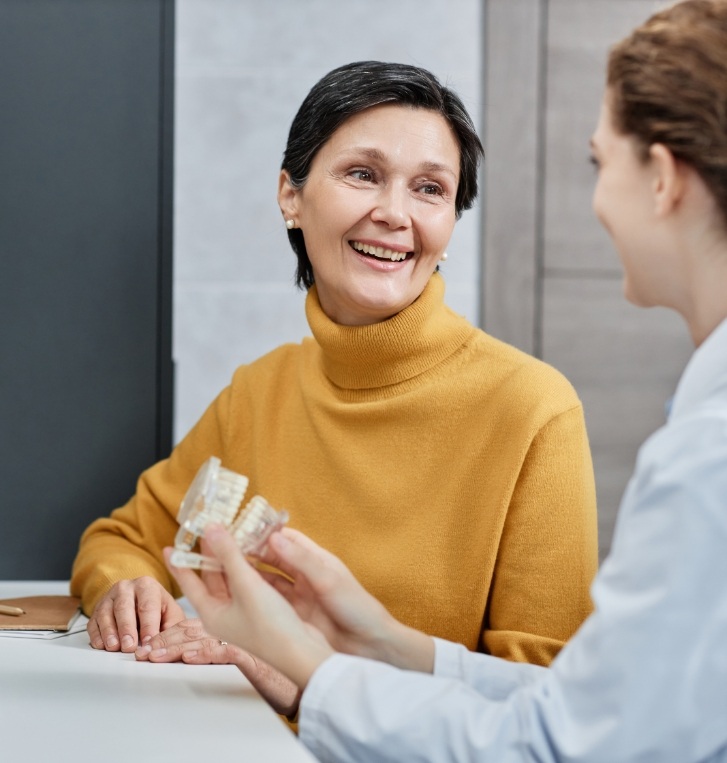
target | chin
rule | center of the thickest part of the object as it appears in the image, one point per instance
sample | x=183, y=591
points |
x=636, y=298
x=383, y=299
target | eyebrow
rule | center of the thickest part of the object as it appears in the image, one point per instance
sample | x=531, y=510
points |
x=376, y=155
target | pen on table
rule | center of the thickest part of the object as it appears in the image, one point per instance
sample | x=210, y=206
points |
x=14, y=611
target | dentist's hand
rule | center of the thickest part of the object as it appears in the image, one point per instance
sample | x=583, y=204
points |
x=240, y=607
x=325, y=594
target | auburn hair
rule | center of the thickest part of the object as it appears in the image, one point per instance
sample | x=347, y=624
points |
x=667, y=82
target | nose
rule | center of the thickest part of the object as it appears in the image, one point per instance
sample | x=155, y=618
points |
x=392, y=206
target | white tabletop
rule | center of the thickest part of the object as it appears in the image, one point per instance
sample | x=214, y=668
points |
x=61, y=700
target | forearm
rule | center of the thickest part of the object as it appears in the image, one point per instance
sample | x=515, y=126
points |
x=401, y=646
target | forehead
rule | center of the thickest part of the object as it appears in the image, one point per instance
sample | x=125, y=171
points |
x=604, y=127
x=606, y=139
x=398, y=130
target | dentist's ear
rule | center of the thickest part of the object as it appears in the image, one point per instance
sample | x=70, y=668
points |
x=670, y=179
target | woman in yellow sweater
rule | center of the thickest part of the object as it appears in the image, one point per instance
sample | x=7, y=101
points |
x=450, y=472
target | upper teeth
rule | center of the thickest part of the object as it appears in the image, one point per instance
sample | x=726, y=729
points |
x=379, y=251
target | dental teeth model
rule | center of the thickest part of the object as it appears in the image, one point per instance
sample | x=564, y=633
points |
x=215, y=496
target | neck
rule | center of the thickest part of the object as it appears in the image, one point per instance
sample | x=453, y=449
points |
x=706, y=303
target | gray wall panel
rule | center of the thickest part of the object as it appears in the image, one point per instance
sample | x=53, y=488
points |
x=513, y=92
x=82, y=239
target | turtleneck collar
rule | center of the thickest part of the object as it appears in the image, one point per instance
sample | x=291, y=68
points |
x=397, y=349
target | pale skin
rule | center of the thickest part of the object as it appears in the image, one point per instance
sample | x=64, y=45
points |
x=387, y=178
x=672, y=241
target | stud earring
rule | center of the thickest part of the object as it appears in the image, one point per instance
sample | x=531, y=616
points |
x=444, y=256
x=290, y=224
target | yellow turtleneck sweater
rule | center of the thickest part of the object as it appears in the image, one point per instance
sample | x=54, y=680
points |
x=449, y=471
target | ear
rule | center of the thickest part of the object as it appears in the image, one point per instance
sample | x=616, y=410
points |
x=670, y=179
x=287, y=196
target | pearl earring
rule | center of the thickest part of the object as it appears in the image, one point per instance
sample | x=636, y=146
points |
x=290, y=224
x=444, y=256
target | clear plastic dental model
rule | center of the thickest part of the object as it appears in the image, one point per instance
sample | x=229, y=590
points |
x=215, y=496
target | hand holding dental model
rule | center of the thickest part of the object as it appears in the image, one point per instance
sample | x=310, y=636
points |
x=319, y=607
x=294, y=623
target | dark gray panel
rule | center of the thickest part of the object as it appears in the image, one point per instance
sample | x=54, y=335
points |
x=81, y=229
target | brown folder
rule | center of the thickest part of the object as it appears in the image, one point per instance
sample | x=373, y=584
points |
x=42, y=613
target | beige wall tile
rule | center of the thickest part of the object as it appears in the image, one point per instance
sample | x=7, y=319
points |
x=624, y=362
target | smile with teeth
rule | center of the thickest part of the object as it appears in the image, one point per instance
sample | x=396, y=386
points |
x=379, y=251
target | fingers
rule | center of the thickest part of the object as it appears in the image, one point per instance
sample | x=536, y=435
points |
x=238, y=571
x=173, y=640
x=149, y=596
x=215, y=581
x=113, y=623
x=94, y=632
x=187, y=641
x=211, y=652
x=102, y=626
x=281, y=584
x=192, y=587
x=298, y=555
x=172, y=613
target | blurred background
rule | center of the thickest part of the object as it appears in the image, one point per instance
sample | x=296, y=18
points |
x=172, y=117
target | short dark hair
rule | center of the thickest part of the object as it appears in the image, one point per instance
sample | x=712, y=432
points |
x=354, y=87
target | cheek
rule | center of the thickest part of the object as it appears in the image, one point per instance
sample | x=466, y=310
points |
x=600, y=207
x=438, y=230
x=596, y=204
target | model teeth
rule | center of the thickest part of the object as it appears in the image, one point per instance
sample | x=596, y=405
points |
x=379, y=251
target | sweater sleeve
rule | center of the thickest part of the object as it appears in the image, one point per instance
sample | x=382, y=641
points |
x=548, y=553
x=128, y=544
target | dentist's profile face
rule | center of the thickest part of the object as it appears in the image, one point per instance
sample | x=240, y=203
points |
x=623, y=202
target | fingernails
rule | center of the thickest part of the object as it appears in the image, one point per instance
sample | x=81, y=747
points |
x=157, y=653
x=190, y=655
x=142, y=651
x=112, y=641
x=146, y=640
x=127, y=642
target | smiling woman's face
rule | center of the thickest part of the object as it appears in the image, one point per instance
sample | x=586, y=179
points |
x=377, y=210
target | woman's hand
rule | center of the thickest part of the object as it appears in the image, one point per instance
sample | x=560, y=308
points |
x=113, y=625
x=240, y=607
x=325, y=594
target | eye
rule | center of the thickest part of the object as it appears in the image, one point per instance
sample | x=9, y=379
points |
x=365, y=175
x=431, y=189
